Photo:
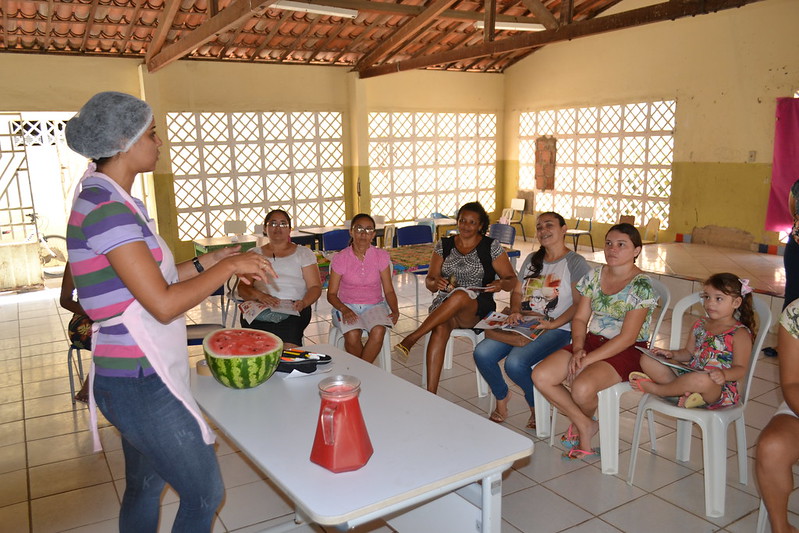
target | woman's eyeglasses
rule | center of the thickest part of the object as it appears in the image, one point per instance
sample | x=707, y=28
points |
x=281, y=224
x=361, y=229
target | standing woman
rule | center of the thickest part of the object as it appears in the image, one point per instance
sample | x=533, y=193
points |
x=298, y=281
x=360, y=279
x=791, y=256
x=612, y=318
x=129, y=284
x=546, y=288
x=469, y=259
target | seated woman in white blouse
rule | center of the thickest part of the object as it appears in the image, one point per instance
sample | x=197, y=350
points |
x=298, y=281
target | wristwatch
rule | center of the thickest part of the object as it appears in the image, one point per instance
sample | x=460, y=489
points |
x=197, y=264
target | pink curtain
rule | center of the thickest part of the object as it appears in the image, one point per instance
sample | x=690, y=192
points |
x=785, y=165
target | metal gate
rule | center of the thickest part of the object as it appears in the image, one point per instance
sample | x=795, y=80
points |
x=16, y=195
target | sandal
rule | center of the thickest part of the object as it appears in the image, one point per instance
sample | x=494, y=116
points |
x=691, y=401
x=531, y=422
x=402, y=352
x=576, y=454
x=636, y=378
x=496, y=417
x=570, y=439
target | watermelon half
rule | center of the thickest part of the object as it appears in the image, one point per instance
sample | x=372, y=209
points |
x=242, y=358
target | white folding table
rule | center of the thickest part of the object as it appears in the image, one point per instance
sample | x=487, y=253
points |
x=426, y=448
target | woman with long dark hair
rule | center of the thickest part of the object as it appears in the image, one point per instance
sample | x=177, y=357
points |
x=469, y=259
x=546, y=289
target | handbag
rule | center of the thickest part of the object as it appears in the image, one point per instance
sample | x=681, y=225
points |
x=80, y=331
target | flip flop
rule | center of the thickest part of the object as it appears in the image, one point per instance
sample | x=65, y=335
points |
x=636, y=378
x=496, y=417
x=575, y=454
x=402, y=352
x=570, y=439
x=691, y=401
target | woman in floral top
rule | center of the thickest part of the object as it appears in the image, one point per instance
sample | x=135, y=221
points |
x=612, y=318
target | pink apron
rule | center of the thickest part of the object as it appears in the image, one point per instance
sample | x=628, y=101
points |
x=164, y=344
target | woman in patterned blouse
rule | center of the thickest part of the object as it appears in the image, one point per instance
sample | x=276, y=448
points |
x=612, y=318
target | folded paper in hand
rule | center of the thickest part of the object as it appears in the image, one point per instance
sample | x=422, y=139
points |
x=251, y=309
x=374, y=316
x=471, y=291
x=526, y=327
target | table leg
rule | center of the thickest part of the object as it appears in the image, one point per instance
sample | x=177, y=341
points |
x=492, y=503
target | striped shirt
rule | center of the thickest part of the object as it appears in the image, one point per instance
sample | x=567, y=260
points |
x=100, y=221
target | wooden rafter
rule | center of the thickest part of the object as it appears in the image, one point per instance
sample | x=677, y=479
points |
x=88, y=25
x=131, y=27
x=671, y=10
x=228, y=18
x=165, y=21
x=489, y=20
x=541, y=13
x=325, y=43
x=566, y=11
x=407, y=32
x=271, y=35
x=47, y=28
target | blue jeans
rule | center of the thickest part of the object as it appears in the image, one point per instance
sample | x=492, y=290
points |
x=519, y=361
x=162, y=444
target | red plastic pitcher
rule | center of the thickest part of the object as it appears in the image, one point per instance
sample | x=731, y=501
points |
x=341, y=443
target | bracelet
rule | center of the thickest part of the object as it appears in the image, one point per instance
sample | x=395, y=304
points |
x=197, y=264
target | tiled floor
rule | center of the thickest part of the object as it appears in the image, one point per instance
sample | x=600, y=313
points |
x=51, y=481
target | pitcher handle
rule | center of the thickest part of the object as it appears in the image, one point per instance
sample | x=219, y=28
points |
x=327, y=423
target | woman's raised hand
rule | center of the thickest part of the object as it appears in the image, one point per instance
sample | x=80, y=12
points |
x=253, y=265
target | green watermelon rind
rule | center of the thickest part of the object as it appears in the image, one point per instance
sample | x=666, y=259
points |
x=243, y=372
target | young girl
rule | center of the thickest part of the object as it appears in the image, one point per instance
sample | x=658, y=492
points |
x=719, y=349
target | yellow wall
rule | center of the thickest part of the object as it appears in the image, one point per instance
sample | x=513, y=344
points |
x=61, y=83
x=725, y=71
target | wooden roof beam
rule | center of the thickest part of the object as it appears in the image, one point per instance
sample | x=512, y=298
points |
x=566, y=11
x=165, y=20
x=408, y=31
x=230, y=17
x=671, y=10
x=541, y=13
x=489, y=20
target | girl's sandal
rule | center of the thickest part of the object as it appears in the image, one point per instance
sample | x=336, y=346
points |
x=576, y=454
x=570, y=439
x=691, y=401
x=402, y=352
x=636, y=378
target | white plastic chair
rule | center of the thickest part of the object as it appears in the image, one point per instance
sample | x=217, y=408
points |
x=336, y=338
x=714, y=423
x=608, y=410
x=474, y=338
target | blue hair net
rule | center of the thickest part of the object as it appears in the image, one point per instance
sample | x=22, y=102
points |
x=109, y=123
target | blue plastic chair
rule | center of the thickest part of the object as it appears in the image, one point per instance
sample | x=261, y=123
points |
x=505, y=234
x=335, y=240
x=419, y=234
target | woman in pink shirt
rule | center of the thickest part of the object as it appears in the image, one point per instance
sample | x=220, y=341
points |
x=360, y=280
